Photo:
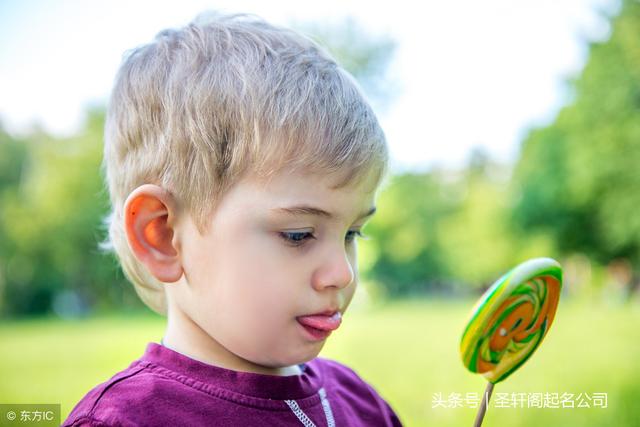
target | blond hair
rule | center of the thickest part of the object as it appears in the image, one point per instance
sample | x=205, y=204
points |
x=201, y=106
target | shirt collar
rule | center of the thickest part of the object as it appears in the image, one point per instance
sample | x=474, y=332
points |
x=248, y=383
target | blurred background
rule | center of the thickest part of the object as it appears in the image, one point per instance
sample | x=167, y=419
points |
x=514, y=131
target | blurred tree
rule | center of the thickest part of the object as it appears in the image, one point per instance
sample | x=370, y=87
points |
x=478, y=244
x=12, y=157
x=404, y=254
x=446, y=231
x=13, y=154
x=579, y=177
x=51, y=221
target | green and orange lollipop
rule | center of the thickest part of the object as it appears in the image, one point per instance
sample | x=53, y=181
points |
x=510, y=321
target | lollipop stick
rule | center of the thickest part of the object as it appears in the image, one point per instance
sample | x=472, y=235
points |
x=483, y=407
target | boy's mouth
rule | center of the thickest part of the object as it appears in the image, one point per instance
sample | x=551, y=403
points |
x=319, y=326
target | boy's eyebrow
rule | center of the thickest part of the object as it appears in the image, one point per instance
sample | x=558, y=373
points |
x=311, y=210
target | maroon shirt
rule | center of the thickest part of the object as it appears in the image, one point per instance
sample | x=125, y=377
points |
x=167, y=388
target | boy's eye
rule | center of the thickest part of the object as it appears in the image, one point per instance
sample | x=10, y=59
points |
x=299, y=238
x=296, y=238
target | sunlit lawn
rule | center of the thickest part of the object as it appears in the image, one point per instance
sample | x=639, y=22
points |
x=407, y=350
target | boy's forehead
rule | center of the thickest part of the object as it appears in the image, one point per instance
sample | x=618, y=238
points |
x=304, y=193
x=318, y=181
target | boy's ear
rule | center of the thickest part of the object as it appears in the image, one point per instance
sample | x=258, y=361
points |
x=149, y=219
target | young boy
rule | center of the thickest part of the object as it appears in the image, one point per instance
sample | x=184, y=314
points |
x=241, y=162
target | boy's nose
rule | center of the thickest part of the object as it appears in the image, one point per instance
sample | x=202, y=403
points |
x=336, y=271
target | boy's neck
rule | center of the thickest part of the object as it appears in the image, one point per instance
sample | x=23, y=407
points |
x=186, y=337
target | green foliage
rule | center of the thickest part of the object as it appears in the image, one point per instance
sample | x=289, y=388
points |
x=578, y=178
x=446, y=231
x=51, y=225
x=404, y=254
x=12, y=160
x=12, y=155
x=477, y=242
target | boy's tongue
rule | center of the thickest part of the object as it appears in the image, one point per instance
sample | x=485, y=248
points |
x=321, y=321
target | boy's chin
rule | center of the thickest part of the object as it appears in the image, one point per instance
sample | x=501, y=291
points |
x=290, y=360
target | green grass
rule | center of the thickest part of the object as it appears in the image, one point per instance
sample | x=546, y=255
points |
x=408, y=351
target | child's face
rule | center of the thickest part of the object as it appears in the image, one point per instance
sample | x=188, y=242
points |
x=245, y=285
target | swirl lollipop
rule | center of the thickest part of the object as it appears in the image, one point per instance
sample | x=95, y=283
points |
x=510, y=321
